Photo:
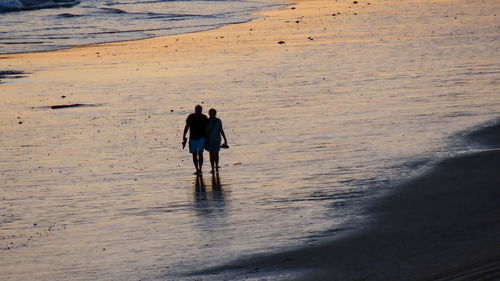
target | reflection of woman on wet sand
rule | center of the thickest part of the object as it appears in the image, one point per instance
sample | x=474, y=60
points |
x=214, y=133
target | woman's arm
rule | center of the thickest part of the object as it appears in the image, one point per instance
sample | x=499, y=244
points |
x=222, y=133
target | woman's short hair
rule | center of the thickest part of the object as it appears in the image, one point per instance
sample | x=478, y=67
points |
x=212, y=112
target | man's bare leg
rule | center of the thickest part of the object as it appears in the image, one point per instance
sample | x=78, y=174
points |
x=195, y=161
x=200, y=161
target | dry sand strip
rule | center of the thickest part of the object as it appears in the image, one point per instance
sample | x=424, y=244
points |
x=444, y=225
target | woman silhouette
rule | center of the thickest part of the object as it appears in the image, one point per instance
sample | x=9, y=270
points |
x=214, y=133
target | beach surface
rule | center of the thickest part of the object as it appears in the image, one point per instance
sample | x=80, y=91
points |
x=327, y=106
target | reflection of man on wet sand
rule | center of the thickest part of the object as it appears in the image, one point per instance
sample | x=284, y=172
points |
x=196, y=124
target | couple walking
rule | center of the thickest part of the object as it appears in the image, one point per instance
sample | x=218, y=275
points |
x=204, y=133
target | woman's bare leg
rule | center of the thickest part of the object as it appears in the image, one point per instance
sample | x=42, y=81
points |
x=216, y=160
x=212, y=159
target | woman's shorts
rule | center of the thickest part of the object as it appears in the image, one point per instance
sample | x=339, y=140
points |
x=196, y=145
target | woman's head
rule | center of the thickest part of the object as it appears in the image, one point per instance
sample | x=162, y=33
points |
x=212, y=112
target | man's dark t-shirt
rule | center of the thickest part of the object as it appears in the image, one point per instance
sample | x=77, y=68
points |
x=197, y=123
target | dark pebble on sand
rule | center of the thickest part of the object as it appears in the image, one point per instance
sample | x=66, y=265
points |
x=63, y=97
x=293, y=8
x=281, y=42
x=355, y=2
x=20, y=122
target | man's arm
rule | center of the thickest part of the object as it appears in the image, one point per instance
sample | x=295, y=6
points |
x=184, y=139
x=186, y=128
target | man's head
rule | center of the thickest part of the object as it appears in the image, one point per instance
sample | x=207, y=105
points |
x=212, y=112
x=198, y=109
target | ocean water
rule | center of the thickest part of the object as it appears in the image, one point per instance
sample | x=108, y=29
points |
x=41, y=25
x=105, y=192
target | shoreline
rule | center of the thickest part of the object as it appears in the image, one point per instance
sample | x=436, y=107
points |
x=441, y=225
x=144, y=49
x=6, y=55
x=251, y=15
x=256, y=16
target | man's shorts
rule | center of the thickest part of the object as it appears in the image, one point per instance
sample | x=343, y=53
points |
x=196, y=145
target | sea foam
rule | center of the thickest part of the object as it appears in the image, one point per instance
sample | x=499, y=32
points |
x=17, y=5
x=7, y=5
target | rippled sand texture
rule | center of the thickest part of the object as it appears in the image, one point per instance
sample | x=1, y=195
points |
x=104, y=191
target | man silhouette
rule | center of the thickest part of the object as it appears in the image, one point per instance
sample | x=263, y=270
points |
x=196, y=124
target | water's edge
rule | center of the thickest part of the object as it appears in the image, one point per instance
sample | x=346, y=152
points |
x=281, y=4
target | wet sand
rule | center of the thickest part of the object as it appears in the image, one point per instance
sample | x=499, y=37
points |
x=442, y=225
